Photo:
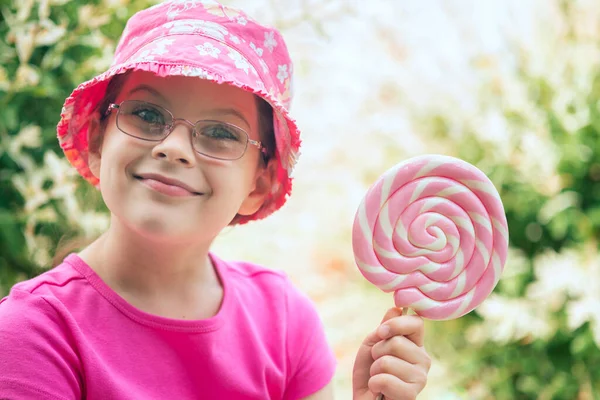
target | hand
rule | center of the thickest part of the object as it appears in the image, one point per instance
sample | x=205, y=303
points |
x=395, y=363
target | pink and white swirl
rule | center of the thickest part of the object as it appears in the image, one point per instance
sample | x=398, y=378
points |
x=432, y=230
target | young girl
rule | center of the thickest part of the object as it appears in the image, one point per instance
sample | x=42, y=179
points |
x=188, y=132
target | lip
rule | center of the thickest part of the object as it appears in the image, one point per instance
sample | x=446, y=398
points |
x=166, y=185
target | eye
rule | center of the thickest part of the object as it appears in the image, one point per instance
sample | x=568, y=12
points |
x=149, y=114
x=220, y=132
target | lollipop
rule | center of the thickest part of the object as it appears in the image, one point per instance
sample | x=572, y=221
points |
x=432, y=230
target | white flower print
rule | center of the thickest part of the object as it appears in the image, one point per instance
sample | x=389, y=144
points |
x=234, y=39
x=258, y=50
x=207, y=49
x=270, y=42
x=240, y=62
x=161, y=46
x=209, y=28
x=193, y=72
x=158, y=49
x=282, y=73
x=143, y=56
x=242, y=20
x=176, y=7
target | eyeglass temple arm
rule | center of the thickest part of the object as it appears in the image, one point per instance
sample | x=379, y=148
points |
x=111, y=107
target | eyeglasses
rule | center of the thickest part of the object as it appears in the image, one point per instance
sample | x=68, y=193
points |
x=150, y=122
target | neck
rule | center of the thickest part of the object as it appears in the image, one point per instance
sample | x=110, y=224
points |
x=150, y=270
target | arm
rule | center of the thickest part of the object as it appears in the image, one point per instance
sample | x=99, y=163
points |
x=37, y=360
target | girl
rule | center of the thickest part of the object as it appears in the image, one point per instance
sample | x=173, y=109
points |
x=188, y=132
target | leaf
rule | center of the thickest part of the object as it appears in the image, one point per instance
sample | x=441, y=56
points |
x=10, y=233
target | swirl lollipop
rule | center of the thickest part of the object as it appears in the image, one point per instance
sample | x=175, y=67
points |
x=432, y=230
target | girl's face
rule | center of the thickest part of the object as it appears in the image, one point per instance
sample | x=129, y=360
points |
x=129, y=168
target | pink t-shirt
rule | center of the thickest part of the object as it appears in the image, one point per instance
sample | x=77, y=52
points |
x=66, y=335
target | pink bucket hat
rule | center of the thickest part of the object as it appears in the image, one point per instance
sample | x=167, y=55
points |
x=204, y=39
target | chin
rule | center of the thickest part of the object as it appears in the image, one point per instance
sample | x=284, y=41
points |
x=156, y=226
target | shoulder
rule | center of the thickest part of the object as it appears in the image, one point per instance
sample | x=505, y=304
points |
x=275, y=285
x=248, y=276
x=51, y=281
x=37, y=358
x=309, y=359
x=248, y=270
x=37, y=305
x=35, y=302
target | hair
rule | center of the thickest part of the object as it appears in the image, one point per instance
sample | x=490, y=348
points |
x=67, y=245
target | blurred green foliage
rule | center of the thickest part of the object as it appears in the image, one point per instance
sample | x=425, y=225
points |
x=553, y=218
x=47, y=48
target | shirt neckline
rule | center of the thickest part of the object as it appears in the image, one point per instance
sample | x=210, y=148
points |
x=154, y=321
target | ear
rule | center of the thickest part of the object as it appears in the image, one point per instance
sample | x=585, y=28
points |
x=95, y=135
x=261, y=191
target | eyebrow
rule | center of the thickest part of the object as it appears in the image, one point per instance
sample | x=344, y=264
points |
x=216, y=111
x=230, y=111
x=148, y=89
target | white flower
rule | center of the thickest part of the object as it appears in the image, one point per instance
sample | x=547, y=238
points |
x=585, y=306
x=282, y=73
x=192, y=71
x=558, y=276
x=270, y=42
x=242, y=20
x=509, y=319
x=26, y=76
x=240, y=62
x=25, y=42
x=58, y=168
x=143, y=56
x=207, y=49
x=31, y=188
x=234, y=39
x=161, y=46
x=30, y=136
x=258, y=50
x=584, y=310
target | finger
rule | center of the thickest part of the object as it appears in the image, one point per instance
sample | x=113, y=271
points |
x=400, y=347
x=403, y=370
x=393, y=388
x=375, y=336
x=392, y=313
x=410, y=326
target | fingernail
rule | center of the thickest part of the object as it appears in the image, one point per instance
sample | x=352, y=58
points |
x=383, y=331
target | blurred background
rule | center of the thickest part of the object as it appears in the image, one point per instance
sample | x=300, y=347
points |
x=511, y=86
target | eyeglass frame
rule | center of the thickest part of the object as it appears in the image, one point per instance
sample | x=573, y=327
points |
x=257, y=143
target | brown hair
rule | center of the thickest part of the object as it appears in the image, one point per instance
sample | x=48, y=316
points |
x=67, y=245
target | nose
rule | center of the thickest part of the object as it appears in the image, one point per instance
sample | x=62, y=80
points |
x=177, y=146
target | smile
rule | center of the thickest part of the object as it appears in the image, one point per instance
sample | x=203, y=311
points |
x=167, y=186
